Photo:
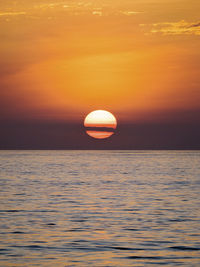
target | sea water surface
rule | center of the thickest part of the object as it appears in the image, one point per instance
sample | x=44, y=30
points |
x=99, y=208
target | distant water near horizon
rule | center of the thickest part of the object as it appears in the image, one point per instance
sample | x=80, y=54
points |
x=99, y=208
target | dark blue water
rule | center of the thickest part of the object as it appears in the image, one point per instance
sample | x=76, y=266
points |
x=99, y=208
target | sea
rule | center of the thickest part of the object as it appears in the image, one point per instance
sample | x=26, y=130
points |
x=99, y=208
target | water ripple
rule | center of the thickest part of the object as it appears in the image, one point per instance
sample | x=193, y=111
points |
x=100, y=208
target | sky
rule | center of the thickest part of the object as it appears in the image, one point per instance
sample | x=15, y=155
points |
x=139, y=59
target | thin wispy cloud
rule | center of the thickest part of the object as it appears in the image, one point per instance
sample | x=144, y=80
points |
x=131, y=13
x=175, y=28
x=67, y=8
x=5, y=14
x=97, y=13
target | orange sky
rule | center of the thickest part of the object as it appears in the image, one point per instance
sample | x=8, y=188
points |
x=63, y=59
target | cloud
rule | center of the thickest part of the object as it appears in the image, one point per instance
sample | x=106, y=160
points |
x=98, y=13
x=130, y=13
x=176, y=28
x=57, y=9
x=12, y=14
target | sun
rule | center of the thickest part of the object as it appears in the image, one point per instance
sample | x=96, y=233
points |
x=100, y=124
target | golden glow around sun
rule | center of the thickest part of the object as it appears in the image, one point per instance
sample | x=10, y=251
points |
x=100, y=124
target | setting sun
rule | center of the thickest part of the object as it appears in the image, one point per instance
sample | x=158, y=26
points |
x=100, y=124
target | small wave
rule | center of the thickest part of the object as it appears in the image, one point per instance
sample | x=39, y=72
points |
x=131, y=229
x=31, y=247
x=4, y=250
x=11, y=210
x=79, y=220
x=157, y=258
x=184, y=248
x=123, y=248
x=146, y=257
x=18, y=232
x=75, y=230
x=39, y=241
x=15, y=255
x=28, y=172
